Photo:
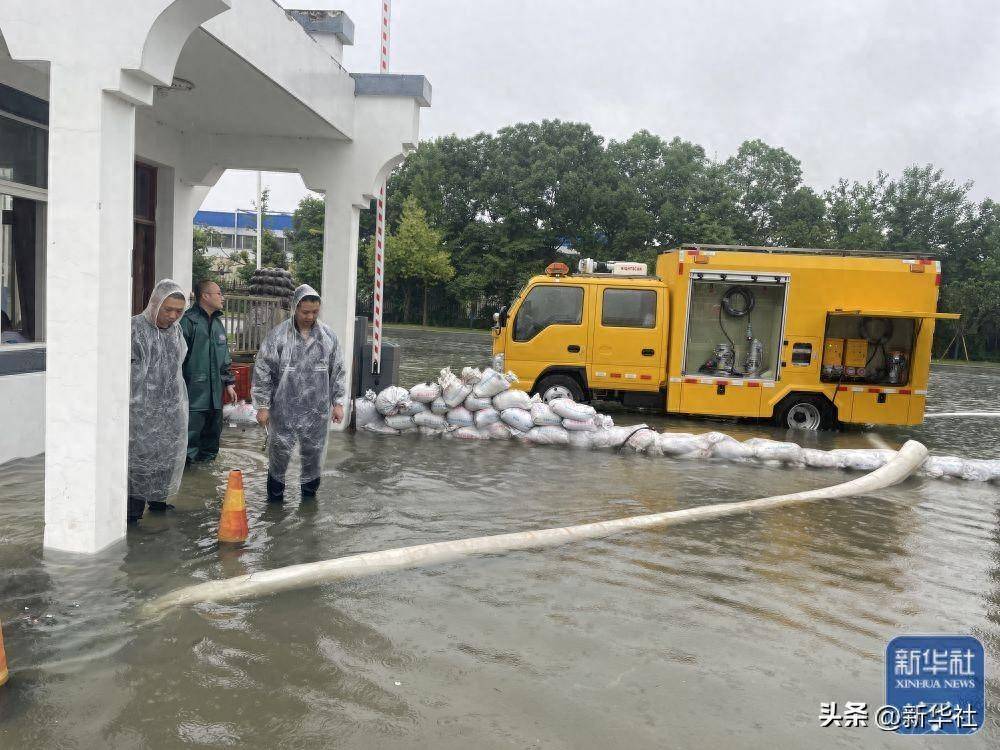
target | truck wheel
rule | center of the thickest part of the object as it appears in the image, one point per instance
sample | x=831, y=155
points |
x=805, y=412
x=556, y=386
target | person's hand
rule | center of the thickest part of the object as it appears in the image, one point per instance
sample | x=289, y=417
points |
x=263, y=417
x=337, y=413
x=231, y=392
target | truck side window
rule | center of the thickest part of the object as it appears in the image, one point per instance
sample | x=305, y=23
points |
x=548, y=305
x=629, y=308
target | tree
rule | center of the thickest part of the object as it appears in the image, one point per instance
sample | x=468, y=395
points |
x=306, y=242
x=764, y=177
x=202, y=265
x=271, y=254
x=416, y=256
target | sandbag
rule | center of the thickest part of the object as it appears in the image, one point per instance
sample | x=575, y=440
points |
x=511, y=399
x=980, y=469
x=430, y=421
x=567, y=408
x=364, y=409
x=460, y=417
x=603, y=421
x=577, y=425
x=579, y=439
x=414, y=409
x=644, y=441
x=453, y=390
x=492, y=382
x=392, y=400
x=471, y=375
x=379, y=427
x=474, y=403
x=818, y=459
x=520, y=435
x=485, y=417
x=439, y=407
x=861, y=459
x=613, y=437
x=498, y=431
x=548, y=435
x=401, y=422
x=431, y=431
x=519, y=419
x=424, y=393
x=775, y=450
x=686, y=444
x=543, y=416
x=732, y=449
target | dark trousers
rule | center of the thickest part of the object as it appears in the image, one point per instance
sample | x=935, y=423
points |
x=204, y=432
x=280, y=451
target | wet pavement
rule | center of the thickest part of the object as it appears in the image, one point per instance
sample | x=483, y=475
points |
x=728, y=633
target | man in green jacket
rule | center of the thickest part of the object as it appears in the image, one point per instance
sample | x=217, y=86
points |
x=206, y=370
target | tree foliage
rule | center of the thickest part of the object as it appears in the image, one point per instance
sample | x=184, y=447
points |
x=504, y=205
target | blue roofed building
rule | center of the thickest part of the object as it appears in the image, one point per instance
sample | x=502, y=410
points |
x=232, y=231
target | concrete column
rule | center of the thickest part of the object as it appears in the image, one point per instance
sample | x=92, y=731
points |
x=88, y=271
x=340, y=273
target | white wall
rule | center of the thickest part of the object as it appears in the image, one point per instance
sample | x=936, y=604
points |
x=22, y=403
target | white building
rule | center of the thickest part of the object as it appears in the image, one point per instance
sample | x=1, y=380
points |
x=115, y=120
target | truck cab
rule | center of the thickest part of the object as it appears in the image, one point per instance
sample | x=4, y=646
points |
x=807, y=338
x=601, y=334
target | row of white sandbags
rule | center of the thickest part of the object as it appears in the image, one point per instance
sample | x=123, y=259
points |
x=481, y=405
x=720, y=445
x=477, y=399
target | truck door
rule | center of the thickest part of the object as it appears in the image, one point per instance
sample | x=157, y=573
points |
x=628, y=341
x=548, y=328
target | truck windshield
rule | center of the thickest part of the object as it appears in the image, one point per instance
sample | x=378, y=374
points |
x=548, y=305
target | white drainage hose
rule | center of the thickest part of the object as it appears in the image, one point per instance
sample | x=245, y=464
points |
x=903, y=464
x=971, y=414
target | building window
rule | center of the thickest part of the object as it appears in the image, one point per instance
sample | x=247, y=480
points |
x=23, y=153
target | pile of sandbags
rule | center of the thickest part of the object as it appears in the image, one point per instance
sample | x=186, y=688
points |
x=482, y=405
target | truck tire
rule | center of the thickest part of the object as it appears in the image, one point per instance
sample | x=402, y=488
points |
x=555, y=385
x=805, y=411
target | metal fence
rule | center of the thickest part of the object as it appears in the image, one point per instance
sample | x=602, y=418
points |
x=248, y=319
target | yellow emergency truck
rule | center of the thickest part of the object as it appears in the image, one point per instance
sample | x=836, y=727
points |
x=809, y=338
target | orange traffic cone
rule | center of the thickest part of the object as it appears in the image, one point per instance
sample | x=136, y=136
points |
x=233, y=519
x=3, y=659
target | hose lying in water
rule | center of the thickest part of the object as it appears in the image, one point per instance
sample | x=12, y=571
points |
x=975, y=414
x=906, y=461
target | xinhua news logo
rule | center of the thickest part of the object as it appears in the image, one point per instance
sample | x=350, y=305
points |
x=934, y=684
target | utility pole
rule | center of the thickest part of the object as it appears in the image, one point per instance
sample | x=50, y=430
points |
x=260, y=221
x=378, y=295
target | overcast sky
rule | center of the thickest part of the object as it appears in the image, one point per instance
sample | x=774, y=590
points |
x=847, y=86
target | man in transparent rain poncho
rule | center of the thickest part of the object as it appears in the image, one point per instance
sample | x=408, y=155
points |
x=158, y=403
x=298, y=383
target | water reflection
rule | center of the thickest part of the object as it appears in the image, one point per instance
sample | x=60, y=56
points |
x=725, y=633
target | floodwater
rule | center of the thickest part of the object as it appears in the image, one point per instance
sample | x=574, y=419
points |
x=722, y=634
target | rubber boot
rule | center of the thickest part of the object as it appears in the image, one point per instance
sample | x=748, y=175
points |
x=275, y=490
x=309, y=489
x=159, y=506
x=136, y=506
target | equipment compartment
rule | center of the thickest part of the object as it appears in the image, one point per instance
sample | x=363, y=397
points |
x=868, y=349
x=734, y=325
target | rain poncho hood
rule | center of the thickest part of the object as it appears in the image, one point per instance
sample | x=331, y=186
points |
x=158, y=404
x=161, y=291
x=299, y=379
x=301, y=292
